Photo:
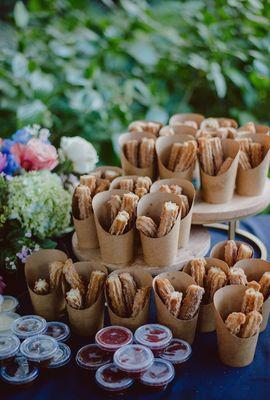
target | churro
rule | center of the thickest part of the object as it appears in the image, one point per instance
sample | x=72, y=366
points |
x=74, y=298
x=191, y=302
x=230, y=252
x=129, y=289
x=141, y=298
x=252, y=301
x=126, y=184
x=147, y=226
x=146, y=152
x=225, y=166
x=265, y=285
x=252, y=324
x=168, y=217
x=237, y=276
x=131, y=151
x=173, y=303
x=95, y=286
x=164, y=288
x=197, y=269
x=72, y=277
x=56, y=274
x=187, y=156
x=115, y=295
x=234, y=322
x=119, y=223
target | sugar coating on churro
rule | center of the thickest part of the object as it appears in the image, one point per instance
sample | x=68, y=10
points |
x=56, y=274
x=140, y=300
x=129, y=288
x=115, y=295
x=230, y=252
x=237, y=276
x=191, y=302
x=72, y=277
x=95, y=287
x=126, y=184
x=197, y=269
x=89, y=181
x=168, y=217
x=252, y=324
x=187, y=156
x=146, y=152
x=114, y=203
x=164, y=288
x=173, y=303
x=265, y=284
x=82, y=202
x=120, y=223
x=147, y=226
x=252, y=301
x=234, y=321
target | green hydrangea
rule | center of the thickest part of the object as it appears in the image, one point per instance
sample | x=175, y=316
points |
x=39, y=201
x=3, y=201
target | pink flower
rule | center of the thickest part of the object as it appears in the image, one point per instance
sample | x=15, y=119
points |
x=35, y=155
x=3, y=161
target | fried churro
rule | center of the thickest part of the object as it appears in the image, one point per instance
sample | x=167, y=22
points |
x=243, y=252
x=254, y=285
x=119, y=223
x=256, y=154
x=143, y=182
x=168, y=217
x=187, y=156
x=114, y=203
x=191, y=302
x=129, y=288
x=145, y=126
x=164, y=288
x=244, y=144
x=265, y=284
x=129, y=204
x=217, y=153
x=225, y=166
x=184, y=205
x=176, y=189
x=126, y=184
x=252, y=301
x=82, y=202
x=252, y=324
x=89, y=181
x=146, y=152
x=74, y=298
x=217, y=279
x=140, y=192
x=72, y=277
x=131, y=151
x=209, y=123
x=234, y=322
x=206, y=156
x=237, y=276
x=56, y=274
x=230, y=252
x=115, y=295
x=165, y=189
x=173, y=303
x=197, y=269
x=174, y=155
x=101, y=186
x=244, y=161
x=141, y=298
x=147, y=226
x=95, y=286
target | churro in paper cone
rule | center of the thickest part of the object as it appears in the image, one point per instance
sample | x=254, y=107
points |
x=262, y=129
x=220, y=189
x=254, y=269
x=88, y=321
x=108, y=172
x=251, y=182
x=206, y=321
x=182, y=117
x=114, y=249
x=217, y=251
x=182, y=329
x=127, y=167
x=142, y=279
x=189, y=191
x=50, y=306
x=233, y=351
x=177, y=129
x=163, y=148
x=159, y=252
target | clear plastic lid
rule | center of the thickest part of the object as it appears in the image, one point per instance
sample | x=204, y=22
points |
x=154, y=336
x=9, y=346
x=57, y=330
x=29, y=325
x=92, y=357
x=19, y=372
x=110, y=378
x=111, y=338
x=8, y=303
x=6, y=321
x=133, y=358
x=177, y=352
x=39, y=348
x=61, y=357
x=161, y=373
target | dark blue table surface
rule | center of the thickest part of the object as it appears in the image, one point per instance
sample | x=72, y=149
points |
x=202, y=377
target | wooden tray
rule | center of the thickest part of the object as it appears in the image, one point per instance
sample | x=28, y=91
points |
x=199, y=244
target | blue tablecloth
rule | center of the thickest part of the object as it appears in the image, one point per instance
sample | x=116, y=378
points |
x=202, y=377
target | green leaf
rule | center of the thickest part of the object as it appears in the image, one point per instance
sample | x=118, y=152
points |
x=21, y=15
x=30, y=113
x=143, y=52
x=158, y=114
x=218, y=79
x=47, y=244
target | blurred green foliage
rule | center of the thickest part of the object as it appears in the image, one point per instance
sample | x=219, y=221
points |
x=89, y=68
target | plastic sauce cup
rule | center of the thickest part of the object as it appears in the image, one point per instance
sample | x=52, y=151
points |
x=159, y=375
x=9, y=346
x=112, y=338
x=111, y=379
x=39, y=349
x=92, y=357
x=133, y=359
x=19, y=372
x=29, y=325
x=57, y=330
x=156, y=337
x=6, y=321
x=8, y=303
x=177, y=352
x=61, y=357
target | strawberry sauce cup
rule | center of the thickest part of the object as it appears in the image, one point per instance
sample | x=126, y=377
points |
x=29, y=325
x=58, y=330
x=92, y=357
x=19, y=372
x=177, y=352
x=158, y=376
x=9, y=347
x=133, y=359
x=155, y=336
x=111, y=379
x=112, y=338
x=39, y=349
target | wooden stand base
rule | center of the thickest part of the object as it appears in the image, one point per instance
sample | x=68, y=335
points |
x=199, y=244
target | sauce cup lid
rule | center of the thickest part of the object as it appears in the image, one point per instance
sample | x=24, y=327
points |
x=177, y=352
x=28, y=325
x=6, y=320
x=61, y=357
x=8, y=299
x=9, y=346
x=39, y=348
x=161, y=373
x=92, y=357
x=57, y=330
x=155, y=336
x=19, y=372
x=133, y=358
x=111, y=338
x=110, y=378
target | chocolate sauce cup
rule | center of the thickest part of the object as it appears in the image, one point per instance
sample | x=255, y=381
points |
x=133, y=359
x=158, y=376
x=39, y=349
x=155, y=336
x=112, y=379
x=111, y=338
x=9, y=346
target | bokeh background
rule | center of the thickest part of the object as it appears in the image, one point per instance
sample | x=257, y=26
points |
x=89, y=68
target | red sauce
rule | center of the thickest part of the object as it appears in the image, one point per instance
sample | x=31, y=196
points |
x=177, y=352
x=113, y=375
x=93, y=356
x=155, y=335
x=114, y=336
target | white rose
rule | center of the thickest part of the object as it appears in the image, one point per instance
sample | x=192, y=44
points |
x=80, y=152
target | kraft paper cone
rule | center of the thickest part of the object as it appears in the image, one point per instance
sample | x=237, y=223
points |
x=220, y=189
x=142, y=279
x=262, y=129
x=178, y=129
x=163, y=148
x=114, y=249
x=101, y=170
x=50, y=306
x=182, y=117
x=252, y=181
x=232, y=121
x=254, y=270
x=206, y=322
x=233, y=351
x=189, y=191
x=217, y=251
x=127, y=167
x=88, y=321
x=86, y=232
x=159, y=252
x=181, y=329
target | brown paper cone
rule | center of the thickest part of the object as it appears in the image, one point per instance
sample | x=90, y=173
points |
x=233, y=351
x=50, y=306
x=217, y=251
x=206, y=322
x=88, y=321
x=182, y=329
x=254, y=270
x=115, y=249
x=127, y=167
x=233, y=123
x=262, y=129
x=159, y=252
x=104, y=168
x=182, y=117
x=220, y=189
x=86, y=232
x=142, y=279
x=178, y=129
x=251, y=182
x=189, y=191
x=163, y=148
